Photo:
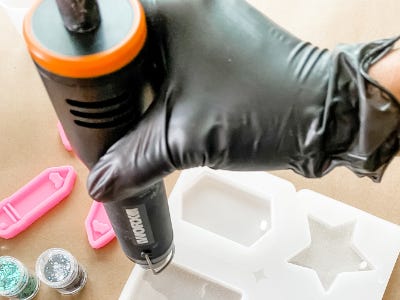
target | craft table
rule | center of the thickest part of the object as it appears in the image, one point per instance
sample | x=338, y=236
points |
x=29, y=144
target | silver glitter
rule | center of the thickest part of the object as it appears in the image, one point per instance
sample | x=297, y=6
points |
x=57, y=268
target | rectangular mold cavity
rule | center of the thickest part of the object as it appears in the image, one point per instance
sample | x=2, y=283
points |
x=226, y=210
x=176, y=283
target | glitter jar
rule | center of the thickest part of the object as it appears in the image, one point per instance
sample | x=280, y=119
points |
x=15, y=280
x=59, y=269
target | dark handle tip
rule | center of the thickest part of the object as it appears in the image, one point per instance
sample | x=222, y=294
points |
x=79, y=16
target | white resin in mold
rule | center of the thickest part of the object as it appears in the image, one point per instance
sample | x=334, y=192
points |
x=331, y=252
x=178, y=283
x=222, y=208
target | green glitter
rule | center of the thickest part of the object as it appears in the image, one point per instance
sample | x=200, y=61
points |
x=10, y=276
x=30, y=289
x=15, y=281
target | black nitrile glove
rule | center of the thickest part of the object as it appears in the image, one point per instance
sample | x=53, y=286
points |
x=237, y=92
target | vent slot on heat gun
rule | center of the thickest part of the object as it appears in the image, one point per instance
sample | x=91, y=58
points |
x=103, y=114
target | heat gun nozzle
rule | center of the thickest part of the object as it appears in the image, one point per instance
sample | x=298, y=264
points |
x=79, y=16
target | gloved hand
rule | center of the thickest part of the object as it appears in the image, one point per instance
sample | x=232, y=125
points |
x=235, y=91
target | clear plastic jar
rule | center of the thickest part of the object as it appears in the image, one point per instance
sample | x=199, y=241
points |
x=59, y=269
x=15, y=280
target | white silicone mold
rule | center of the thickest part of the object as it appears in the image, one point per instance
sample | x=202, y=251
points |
x=250, y=235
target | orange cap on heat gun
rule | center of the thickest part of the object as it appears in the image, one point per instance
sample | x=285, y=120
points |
x=115, y=48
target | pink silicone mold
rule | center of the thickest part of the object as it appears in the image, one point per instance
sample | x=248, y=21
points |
x=98, y=226
x=63, y=136
x=33, y=200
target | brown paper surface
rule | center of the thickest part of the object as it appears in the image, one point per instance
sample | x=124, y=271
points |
x=29, y=143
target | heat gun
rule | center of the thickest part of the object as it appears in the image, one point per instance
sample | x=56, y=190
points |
x=90, y=55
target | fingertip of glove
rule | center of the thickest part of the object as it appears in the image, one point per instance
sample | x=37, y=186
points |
x=95, y=189
x=99, y=180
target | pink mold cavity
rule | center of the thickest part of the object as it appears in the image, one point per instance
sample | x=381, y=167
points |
x=34, y=199
x=98, y=226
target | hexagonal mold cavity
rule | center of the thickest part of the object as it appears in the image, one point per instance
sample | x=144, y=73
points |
x=177, y=283
x=226, y=210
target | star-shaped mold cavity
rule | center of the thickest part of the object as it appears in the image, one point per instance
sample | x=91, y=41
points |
x=331, y=252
